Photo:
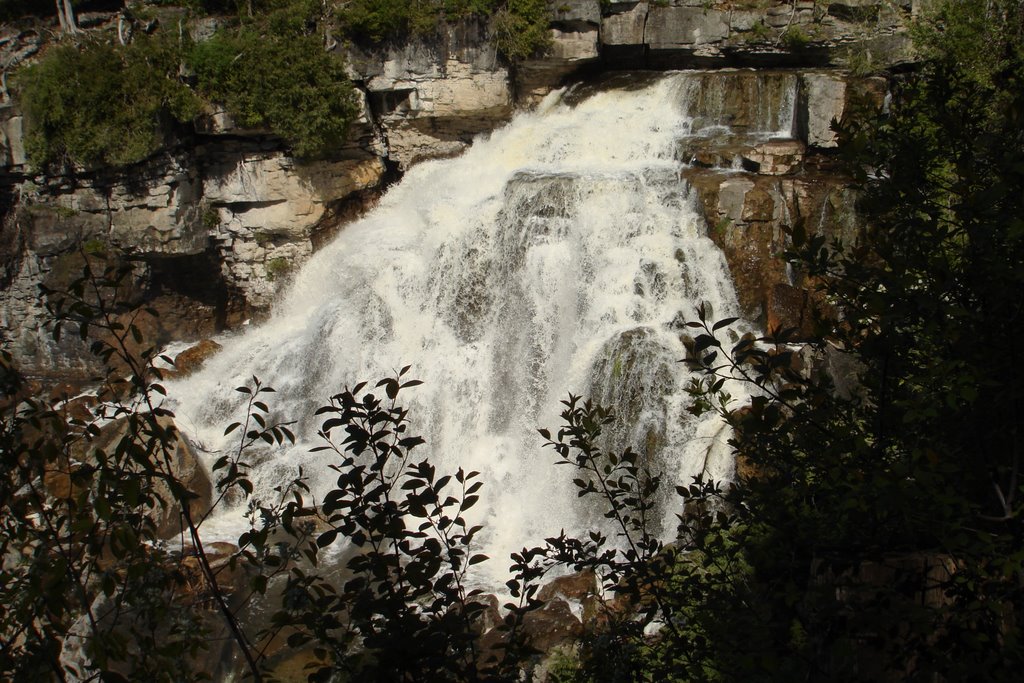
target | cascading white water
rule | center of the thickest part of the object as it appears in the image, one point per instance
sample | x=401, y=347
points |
x=560, y=255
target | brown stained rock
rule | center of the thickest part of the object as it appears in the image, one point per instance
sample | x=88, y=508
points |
x=744, y=215
x=746, y=470
x=758, y=205
x=787, y=308
x=57, y=479
x=192, y=358
x=181, y=463
x=750, y=250
x=185, y=466
x=748, y=216
x=599, y=611
x=74, y=405
x=488, y=618
x=230, y=579
x=552, y=625
x=576, y=587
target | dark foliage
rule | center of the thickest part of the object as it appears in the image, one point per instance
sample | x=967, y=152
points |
x=100, y=103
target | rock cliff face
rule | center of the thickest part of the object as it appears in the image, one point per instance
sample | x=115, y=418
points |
x=213, y=223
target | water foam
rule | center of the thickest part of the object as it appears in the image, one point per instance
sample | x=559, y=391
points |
x=561, y=254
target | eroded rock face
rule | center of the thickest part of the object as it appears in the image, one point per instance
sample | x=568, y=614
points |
x=753, y=192
x=859, y=34
x=215, y=223
x=261, y=210
x=748, y=216
x=430, y=98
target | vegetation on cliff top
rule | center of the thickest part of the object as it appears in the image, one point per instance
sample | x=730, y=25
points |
x=272, y=72
x=98, y=101
x=103, y=103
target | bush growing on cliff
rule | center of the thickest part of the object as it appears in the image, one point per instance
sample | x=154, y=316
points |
x=378, y=20
x=519, y=28
x=276, y=74
x=100, y=103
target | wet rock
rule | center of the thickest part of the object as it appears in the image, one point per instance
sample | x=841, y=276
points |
x=490, y=617
x=552, y=625
x=748, y=216
x=631, y=375
x=178, y=460
x=789, y=308
x=574, y=587
x=231, y=577
x=192, y=358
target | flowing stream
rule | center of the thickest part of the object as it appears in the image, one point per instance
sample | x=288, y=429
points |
x=561, y=254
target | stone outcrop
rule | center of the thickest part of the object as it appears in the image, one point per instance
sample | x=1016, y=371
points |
x=430, y=98
x=753, y=192
x=181, y=463
x=686, y=33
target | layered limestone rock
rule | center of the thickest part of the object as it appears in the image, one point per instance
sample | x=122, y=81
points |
x=430, y=98
x=861, y=34
x=575, y=44
x=261, y=210
x=212, y=230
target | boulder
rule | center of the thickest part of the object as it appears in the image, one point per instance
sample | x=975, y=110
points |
x=552, y=625
x=181, y=463
x=575, y=587
x=192, y=358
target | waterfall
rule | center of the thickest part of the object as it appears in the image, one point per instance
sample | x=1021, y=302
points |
x=561, y=254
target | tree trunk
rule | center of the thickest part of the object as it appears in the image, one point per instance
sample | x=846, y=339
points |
x=60, y=17
x=69, y=23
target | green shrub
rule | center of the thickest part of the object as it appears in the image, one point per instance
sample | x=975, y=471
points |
x=272, y=74
x=101, y=103
x=277, y=268
x=795, y=38
x=380, y=20
x=520, y=29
